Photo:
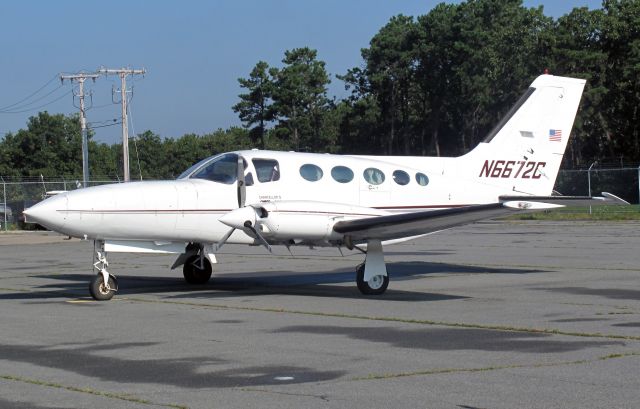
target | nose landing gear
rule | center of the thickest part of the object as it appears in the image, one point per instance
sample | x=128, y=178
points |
x=103, y=285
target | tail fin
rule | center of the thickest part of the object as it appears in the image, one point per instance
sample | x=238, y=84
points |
x=522, y=154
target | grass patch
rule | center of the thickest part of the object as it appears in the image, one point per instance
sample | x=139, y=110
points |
x=598, y=213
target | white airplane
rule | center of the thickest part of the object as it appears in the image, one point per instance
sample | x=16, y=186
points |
x=267, y=198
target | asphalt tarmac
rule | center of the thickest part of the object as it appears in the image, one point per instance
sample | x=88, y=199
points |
x=491, y=315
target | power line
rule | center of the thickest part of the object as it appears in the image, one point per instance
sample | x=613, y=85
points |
x=135, y=139
x=30, y=95
x=104, y=121
x=38, y=107
x=90, y=126
x=25, y=106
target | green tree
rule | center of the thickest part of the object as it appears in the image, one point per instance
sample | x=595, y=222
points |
x=621, y=42
x=51, y=145
x=390, y=67
x=578, y=52
x=499, y=48
x=300, y=98
x=255, y=107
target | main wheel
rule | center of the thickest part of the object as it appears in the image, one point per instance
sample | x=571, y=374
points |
x=99, y=291
x=192, y=272
x=375, y=286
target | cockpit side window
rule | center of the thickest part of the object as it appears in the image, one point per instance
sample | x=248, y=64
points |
x=224, y=169
x=267, y=170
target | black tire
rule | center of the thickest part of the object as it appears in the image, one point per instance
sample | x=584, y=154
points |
x=98, y=290
x=195, y=275
x=380, y=283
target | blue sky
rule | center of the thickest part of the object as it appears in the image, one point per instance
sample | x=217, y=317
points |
x=194, y=51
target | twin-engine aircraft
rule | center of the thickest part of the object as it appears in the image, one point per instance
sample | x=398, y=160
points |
x=268, y=198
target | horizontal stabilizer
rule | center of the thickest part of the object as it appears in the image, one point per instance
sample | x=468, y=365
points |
x=527, y=205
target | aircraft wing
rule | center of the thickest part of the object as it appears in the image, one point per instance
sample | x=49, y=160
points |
x=397, y=226
x=412, y=224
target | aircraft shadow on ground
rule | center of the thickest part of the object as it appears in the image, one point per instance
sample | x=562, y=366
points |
x=610, y=293
x=450, y=339
x=318, y=284
x=185, y=372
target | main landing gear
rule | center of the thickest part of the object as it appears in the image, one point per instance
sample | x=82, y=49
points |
x=103, y=285
x=371, y=276
x=196, y=263
x=197, y=270
x=375, y=286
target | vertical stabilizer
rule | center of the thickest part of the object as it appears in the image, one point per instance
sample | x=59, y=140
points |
x=522, y=154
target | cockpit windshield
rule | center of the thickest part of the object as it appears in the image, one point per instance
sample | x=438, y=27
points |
x=192, y=168
x=222, y=169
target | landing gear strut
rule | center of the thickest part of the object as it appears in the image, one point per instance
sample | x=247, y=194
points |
x=103, y=285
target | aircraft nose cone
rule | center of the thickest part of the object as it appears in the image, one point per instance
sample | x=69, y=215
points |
x=50, y=213
x=236, y=218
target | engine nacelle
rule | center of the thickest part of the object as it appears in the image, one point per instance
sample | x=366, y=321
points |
x=306, y=220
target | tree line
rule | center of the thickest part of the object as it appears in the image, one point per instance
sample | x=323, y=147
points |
x=434, y=84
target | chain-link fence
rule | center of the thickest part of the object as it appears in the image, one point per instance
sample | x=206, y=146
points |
x=622, y=182
x=20, y=193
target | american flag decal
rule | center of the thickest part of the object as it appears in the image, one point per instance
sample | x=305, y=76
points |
x=555, y=135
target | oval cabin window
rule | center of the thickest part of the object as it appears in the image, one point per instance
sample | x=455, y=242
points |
x=401, y=177
x=342, y=174
x=310, y=172
x=422, y=179
x=373, y=176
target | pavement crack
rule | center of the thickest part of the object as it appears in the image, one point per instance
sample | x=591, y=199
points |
x=307, y=395
x=438, y=371
x=90, y=391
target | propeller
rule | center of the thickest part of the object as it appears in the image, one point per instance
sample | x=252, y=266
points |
x=242, y=188
x=244, y=217
x=242, y=197
x=261, y=239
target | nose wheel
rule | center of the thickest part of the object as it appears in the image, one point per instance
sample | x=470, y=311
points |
x=100, y=290
x=103, y=285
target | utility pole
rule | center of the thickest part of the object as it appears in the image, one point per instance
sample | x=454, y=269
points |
x=80, y=78
x=123, y=73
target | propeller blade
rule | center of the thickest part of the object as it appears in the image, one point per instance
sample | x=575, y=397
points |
x=261, y=239
x=224, y=239
x=242, y=188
